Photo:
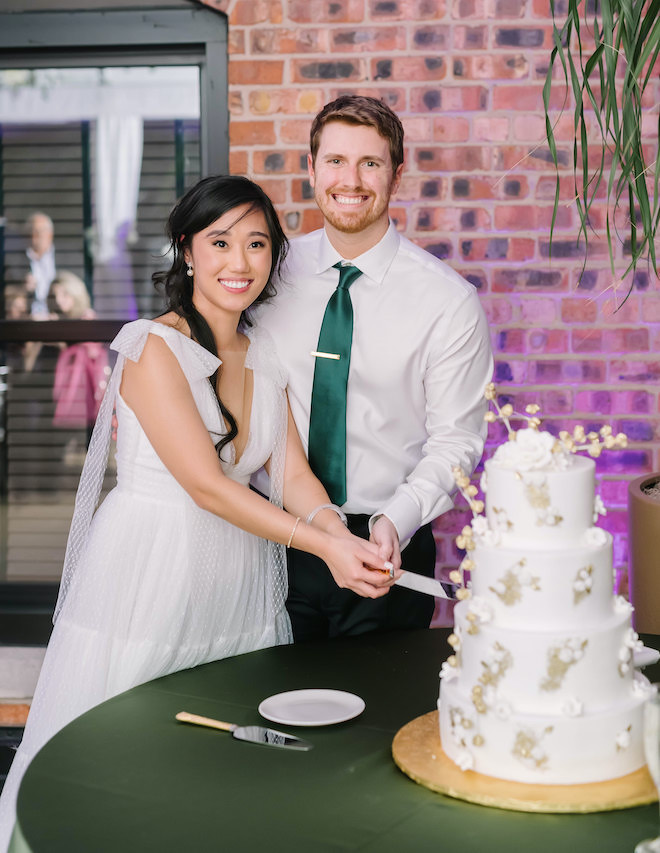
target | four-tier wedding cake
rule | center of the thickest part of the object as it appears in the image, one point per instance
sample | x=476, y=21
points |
x=541, y=686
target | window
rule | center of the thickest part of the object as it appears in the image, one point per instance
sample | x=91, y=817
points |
x=106, y=117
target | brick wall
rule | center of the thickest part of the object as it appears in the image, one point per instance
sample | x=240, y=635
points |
x=466, y=78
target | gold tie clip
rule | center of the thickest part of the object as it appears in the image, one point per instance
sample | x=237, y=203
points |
x=316, y=354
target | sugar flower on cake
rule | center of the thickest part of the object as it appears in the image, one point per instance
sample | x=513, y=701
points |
x=582, y=584
x=631, y=644
x=527, y=747
x=599, y=508
x=622, y=605
x=448, y=672
x=560, y=659
x=572, y=707
x=509, y=587
x=623, y=740
x=641, y=686
x=483, y=534
x=594, y=536
x=531, y=450
x=465, y=760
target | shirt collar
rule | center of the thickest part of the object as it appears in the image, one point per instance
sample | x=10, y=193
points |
x=374, y=263
x=32, y=255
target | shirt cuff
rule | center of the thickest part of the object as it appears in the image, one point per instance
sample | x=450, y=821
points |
x=406, y=517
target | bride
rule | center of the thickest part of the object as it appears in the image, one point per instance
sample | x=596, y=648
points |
x=182, y=563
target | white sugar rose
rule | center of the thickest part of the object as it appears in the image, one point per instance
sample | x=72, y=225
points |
x=447, y=672
x=594, y=536
x=481, y=609
x=465, y=760
x=531, y=450
x=623, y=739
x=599, y=508
x=622, y=605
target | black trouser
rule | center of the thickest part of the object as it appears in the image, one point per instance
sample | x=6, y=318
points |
x=320, y=609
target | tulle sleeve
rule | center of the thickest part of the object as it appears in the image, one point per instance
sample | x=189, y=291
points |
x=196, y=363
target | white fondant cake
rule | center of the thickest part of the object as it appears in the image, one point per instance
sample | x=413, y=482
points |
x=541, y=687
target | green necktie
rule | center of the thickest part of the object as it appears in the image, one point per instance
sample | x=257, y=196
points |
x=327, y=420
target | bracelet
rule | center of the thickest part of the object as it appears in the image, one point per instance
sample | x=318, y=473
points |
x=288, y=544
x=334, y=507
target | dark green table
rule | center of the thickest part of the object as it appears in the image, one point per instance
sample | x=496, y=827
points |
x=127, y=777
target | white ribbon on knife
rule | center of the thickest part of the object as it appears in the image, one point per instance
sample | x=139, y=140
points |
x=420, y=583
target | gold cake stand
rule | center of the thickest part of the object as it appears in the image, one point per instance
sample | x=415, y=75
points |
x=417, y=751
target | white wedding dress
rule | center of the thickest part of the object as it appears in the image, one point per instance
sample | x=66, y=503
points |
x=153, y=584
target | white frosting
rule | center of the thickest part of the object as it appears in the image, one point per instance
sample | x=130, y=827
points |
x=543, y=687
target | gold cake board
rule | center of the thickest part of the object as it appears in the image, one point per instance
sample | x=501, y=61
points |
x=417, y=751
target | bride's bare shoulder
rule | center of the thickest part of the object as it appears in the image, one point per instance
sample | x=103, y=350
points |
x=174, y=321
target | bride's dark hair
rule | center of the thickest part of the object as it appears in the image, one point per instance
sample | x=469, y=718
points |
x=207, y=201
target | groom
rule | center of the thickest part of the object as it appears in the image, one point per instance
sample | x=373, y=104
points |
x=385, y=411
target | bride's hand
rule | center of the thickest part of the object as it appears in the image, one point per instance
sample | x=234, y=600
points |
x=355, y=565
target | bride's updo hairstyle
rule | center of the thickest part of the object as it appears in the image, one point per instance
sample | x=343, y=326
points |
x=207, y=201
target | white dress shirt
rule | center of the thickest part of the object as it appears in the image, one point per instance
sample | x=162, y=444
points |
x=43, y=270
x=420, y=362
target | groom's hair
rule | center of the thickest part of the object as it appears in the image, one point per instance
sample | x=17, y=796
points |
x=361, y=110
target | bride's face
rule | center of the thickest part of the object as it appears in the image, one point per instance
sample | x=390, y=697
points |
x=231, y=261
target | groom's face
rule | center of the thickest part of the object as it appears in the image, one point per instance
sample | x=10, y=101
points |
x=352, y=177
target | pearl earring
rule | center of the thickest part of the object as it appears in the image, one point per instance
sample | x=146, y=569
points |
x=190, y=269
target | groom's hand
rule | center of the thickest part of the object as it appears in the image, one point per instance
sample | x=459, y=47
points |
x=384, y=535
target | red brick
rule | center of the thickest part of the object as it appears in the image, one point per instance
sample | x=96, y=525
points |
x=418, y=129
x=450, y=129
x=464, y=187
x=327, y=69
x=275, y=188
x=431, y=38
x=526, y=97
x=626, y=340
x=530, y=280
x=523, y=217
x=285, y=162
x=490, y=67
x=639, y=372
x=396, y=99
x=470, y=38
x=399, y=216
x=489, y=129
x=536, y=310
x=285, y=41
x=465, y=9
x=295, y=131
x=250, y=73
x=616, y=310
x=497, y=248
x=452, y=219
x=587, y=340
x=546, y=340
x=510, y=9
x=533, y=157
x=556, y=402
x=510, y=340
x=326, y=11
x=251, y=133
x=575, y=310
x=235, y=103
x=406, y=10
x=497, y=310
x=409, y=68
x=545, y=188
x=457, y=158
x=312, y=219
x=576, y=372
x=361, y=39
x=247, y=12
x=288, y=101
x=238, y=162
x=235, y=42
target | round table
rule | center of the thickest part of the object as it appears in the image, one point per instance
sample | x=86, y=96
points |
x=127, y=777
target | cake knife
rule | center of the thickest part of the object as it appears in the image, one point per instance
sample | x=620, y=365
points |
x=420, y=583
x=254, y=734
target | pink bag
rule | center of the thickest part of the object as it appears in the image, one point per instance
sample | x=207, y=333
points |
x=81, y=376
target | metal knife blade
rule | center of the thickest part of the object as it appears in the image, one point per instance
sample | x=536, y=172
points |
x=420, y=583
x=253, y=734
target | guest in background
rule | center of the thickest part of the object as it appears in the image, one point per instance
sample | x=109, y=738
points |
x=41, y=257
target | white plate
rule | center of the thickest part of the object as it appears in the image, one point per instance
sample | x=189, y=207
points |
x=645, y=657
x=311, y=707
